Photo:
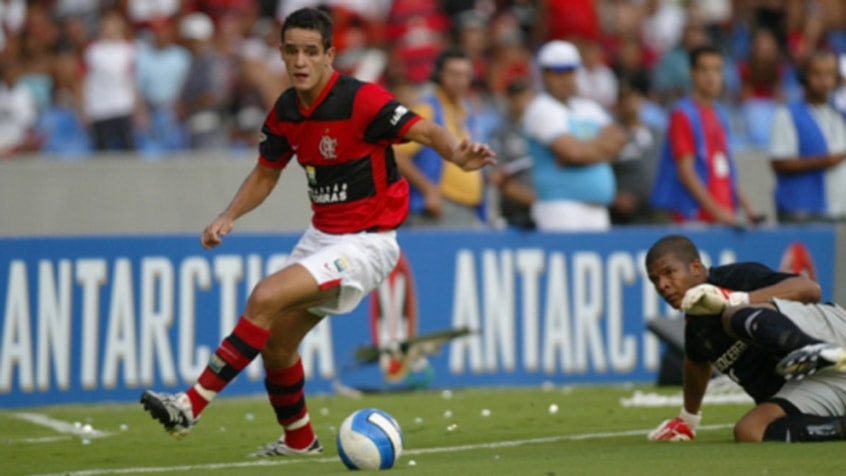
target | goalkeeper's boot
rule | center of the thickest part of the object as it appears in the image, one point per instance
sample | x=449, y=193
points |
x=173, y=411
x=806, y=361
x=280, y=448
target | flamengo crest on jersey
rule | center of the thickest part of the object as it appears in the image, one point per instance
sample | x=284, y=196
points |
x=327, y=147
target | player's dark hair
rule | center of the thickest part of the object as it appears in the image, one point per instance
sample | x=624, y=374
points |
x=700, y=51
x=449, y=53
x=310, y=19
x=679, y=246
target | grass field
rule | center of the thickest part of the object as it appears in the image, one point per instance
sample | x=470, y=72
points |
x=590, y=434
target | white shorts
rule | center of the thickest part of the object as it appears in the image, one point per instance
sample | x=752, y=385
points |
x=823, y=393
x=565, y=215
x=357, y=262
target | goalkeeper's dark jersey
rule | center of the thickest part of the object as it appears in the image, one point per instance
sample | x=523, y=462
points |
x=707, y=341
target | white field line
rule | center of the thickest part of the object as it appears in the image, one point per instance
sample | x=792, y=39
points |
x=421, y=451
x=59, y=425
x=43, y=439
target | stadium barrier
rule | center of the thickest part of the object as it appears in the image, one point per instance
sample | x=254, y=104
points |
x=99, y=318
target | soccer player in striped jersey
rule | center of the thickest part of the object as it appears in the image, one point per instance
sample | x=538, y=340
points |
x=340, y=130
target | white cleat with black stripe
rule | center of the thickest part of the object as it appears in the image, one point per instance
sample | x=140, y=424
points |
x=173, y=411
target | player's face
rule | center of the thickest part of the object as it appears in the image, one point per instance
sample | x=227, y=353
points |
x=672, y=277
x=707, y=76
x=309, y=65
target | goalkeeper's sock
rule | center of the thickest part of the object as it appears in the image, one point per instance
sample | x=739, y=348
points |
x=770, y=330
x=806, y=428
x=285, y=388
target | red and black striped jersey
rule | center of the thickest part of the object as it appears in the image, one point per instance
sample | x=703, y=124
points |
x=343, y=141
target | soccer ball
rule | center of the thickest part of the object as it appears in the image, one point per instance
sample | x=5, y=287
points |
x=370, y=439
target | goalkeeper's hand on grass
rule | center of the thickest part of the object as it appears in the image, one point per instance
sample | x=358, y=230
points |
x=707, y=299
x=680, y=428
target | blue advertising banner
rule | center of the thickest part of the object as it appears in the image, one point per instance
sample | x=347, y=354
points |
x=95, y=319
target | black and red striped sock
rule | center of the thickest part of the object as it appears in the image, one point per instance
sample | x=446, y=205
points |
x=285, y=388
x=236, y=351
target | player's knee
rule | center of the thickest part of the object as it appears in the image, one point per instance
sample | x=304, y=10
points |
x=263, y=302
x=744, y=432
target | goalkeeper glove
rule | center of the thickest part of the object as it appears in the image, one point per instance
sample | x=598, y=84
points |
x=707, y=299
x=680, y=428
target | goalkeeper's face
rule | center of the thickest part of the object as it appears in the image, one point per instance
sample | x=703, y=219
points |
x=672, y=277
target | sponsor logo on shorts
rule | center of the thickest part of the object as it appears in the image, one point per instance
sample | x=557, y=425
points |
x=341, y=264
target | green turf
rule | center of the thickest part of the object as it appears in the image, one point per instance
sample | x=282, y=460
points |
x=231, y=428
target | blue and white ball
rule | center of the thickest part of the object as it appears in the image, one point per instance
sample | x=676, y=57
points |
x=370, y=439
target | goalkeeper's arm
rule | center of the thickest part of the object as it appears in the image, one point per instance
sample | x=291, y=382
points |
x=683, y=427
x=695, y=378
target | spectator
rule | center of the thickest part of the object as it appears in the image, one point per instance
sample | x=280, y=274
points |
x=808, y=147
x=762, y=71
x=635, y=167
x=161, y=72
x=60, y=125
x=630, y=64
x=17, y=112
x=663, y=26
x=205, y=94
x=513, y=176
x=510, y=58
x=761, y=76
x=696, y=178
x=595, y=79
x=38, y=53
x=12, y=15
x=87, y=12
x=261, y=62
x=109, y=86
x=472, y=36
x=566, y=19
x=671, y=77
x=571, y=141
x=415, y=29
x=442, y=194
x=147, y=13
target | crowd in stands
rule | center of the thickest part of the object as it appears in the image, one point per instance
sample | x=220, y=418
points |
x=161, y=76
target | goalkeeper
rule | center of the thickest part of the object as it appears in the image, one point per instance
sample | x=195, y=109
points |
x=764, y=329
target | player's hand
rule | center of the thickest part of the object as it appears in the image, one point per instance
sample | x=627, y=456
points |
x=672, y=430
x=473, y=155
x=680, y=428
x=213, y=234
x=707, y=299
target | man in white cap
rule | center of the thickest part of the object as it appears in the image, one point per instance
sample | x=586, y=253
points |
x=571, y=141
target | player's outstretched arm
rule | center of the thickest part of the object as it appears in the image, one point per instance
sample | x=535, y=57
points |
x=696, y=376
x=255, y=188
x=466, y=154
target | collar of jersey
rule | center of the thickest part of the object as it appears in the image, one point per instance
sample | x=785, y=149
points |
x=320, y=98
